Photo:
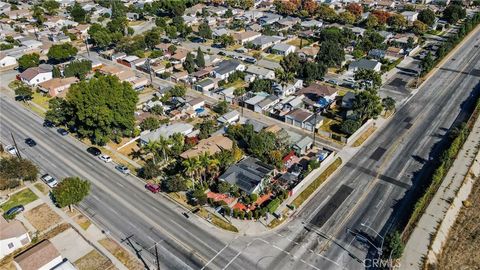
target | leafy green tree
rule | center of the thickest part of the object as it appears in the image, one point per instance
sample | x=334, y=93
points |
x=38, y=15
x=51, y=6
x=101, y=36
x=204, y=30
x=58, y=112
x=284, y=77
x=178, y=91
x=221, y=107
x=238, y=92
x=78, y=68
x=28, y=60
x=78, y=13
x=331, y=54
x=56, y=72
x=207, y=127
x=223, y=187
x=452, y=13
x=367, y=105
x=225, y=40
x=189, y=64
x=312, y=71
x=13, y=168
x=427, y=63
x=61, y=52
x=151, y=170
x=152, y=38
x=290, y=63
x=70, y=191
x=175, y=183
x=369, y=75
x=427, y=16
x=150, y=123
x=200, y=59
x=349, y=126
x=388, y=103
x=397, y=22
x=102, y=108
x=371, y=22
x=24, y=91
x=326, y=13
x=394, y=246
x=347, y=17
x=157, y=110
x=337, y=35
x=261, y=85
x=419, y=27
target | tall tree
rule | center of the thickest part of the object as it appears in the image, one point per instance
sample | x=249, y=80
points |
x=61, y=52
x=331, y=54
x=13, y=168
x=290, y=63
x=427, y=16
x=189, y=64
x=51, y=6
x=78, y=13
x=28, y=61
x=388, y=104
x=204, y=30
x=367, y=105
x=70, y=191
x=454, y=12
x=200, y=59
x=24, y=91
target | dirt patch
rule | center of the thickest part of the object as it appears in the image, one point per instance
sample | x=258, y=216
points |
x=121, y=254
x=72, y=213
x=42, y=217
x=364, y=136
x=461, y=249
x=83, y=221
x=93, y=261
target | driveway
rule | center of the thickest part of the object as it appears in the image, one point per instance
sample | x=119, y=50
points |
x=71, y=245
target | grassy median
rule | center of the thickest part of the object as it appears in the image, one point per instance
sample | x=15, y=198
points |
x=316, y=183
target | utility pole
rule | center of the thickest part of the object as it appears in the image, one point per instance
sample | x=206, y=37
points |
x=16, y=146
x=149, y=67
x=315, y=108
x=156, y=257
x=86, y=46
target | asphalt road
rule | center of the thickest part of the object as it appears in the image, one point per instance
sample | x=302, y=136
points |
x=118, y=203
x=372, y=192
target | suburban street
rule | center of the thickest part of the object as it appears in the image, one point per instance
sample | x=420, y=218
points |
x=337, y=229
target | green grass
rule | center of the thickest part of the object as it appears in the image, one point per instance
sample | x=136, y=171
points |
x=20, y=198
x=296, y=42
x=235, y=84
x=41, y=99
x=273, y=57
x=42, y=187
x=316, y=183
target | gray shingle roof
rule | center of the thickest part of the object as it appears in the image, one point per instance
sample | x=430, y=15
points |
x=247, y=174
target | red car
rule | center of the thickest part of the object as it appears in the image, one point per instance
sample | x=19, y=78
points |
x=153, y=187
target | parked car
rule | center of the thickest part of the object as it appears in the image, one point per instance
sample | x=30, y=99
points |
x=48, y=124
x=30, y=142
x=14, y=210
x=221, y=53
x=122, y=169
x=154, y=188
x=332, y=81
x=12, y=150
x=105, y=158
x=250, y=60
x=49, y=180
x=62, y=131
x=94, y=151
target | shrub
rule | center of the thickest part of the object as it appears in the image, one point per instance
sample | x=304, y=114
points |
x=273, y=205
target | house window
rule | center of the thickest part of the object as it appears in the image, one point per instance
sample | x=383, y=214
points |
x=10, y=245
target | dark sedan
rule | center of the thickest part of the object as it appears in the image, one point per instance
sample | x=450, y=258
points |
x=94, y=151
x=62, y=131
x=30, y=142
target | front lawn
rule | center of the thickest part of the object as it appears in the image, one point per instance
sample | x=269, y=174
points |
x=296, y=42
x=40, y=99
x=273, y=57
x=20, y=198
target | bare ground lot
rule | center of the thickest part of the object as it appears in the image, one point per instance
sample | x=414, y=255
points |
x=121, y=254
x=42, y=217
x=93, y=261
x=462, y=250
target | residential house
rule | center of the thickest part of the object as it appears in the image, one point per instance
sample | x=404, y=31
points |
x=386, y=35
x=211, y=146
x=308, y=53
x=128, y=60
x=259, y=72
x=264, y=42
x=358, y=31
x=244, y=37
x=386, y=4
x=132, y=16
x=402, y=38
x=166, y=131
x=347, y=100
x=287, y=22
x=283, y=49
x=190, y=20
x=226, y=68
x=56, y=86
x=218, y=32
x=31, y=44
x=13, y=236
x=251, y=102
x=229, y=118
x=269, y=18
x=394, y=53
x=364, y=64
x=179, y=76
x=42, y=256
x=304, y=119
x=194, y=9
x=19, y=14
x=205, y=85
x=180, y=55
x=217, y=10
x=376, y=54
x=7, y=62
x=227, y=94
x=302, y=146
x=60, y=38
x=196, y=103
x=311, y=24
x=283, y=91
x=317, y=91
x=410, y=16
x=35, y=75
x=266, y=103
x=250, y=175
x=293, y=103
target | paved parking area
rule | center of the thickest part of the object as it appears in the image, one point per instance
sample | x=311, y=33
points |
x=71, y=245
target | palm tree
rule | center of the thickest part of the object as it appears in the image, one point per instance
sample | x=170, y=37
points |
x=164, y=147
x=151, y=148
x=204, y=160
x=214, y=166
x=189, y=168
x=284, y=77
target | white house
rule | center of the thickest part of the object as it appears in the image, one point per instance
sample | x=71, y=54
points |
x=226, y=68
x=7, y=62
x=365, y=64
x=283, y=49
x=229, y=118
x=42, y=256
x=411, y=16
x=12, y=236
x=35, y=75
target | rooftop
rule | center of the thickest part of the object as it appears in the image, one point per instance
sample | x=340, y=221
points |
x=210, y=145
x=247, y=174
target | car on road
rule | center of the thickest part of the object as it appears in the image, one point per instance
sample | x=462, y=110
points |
x=14, y=210
x=122, y=169
x=12, y=150
x=62, y=131
x=332, y=81
x=48, y=124
x=154, y=188
x=218, y=46
x=30, y=142
x=105, y=158
x=250, y=60
x=222, y=53
x=94, y=151
x=198, y=40
x=49, y=180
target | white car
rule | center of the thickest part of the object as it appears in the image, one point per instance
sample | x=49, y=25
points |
x=105, y=158
x=122, y=169
x=49, y=180
x=11, y=149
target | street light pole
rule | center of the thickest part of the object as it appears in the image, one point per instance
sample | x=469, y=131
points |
x=381, y=237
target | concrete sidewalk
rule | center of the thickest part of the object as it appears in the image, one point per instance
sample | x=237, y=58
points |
x=90, y=235
x=419, y=243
